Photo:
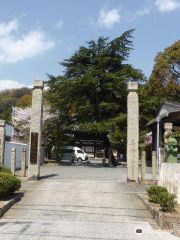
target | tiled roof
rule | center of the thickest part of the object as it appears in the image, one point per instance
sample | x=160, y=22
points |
x=170, y=107
x=165, y=110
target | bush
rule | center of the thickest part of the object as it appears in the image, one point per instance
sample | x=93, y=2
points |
x=154, y=193
x=8, y=184
x=168, y=201
x=6, y=170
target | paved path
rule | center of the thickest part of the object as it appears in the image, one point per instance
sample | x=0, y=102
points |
x=80, y=202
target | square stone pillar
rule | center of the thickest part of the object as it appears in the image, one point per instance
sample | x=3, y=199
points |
x=23, y=163
x=154, y=166
x=132, y=132
x=143, y=165
x=36, y=131
x=2, y=141
x=13, y=160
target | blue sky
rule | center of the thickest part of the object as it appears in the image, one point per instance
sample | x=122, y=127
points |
x=37, y=34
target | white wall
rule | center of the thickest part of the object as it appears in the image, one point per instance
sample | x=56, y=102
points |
x=19, y=147
x=8, y=129
x=169, y=177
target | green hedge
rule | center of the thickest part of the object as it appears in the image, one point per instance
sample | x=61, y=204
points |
x=160, y=195
x=6, y=170
x=154, y=193
x=168, y=202
x=8, y=184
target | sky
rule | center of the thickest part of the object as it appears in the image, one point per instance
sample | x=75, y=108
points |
x=35, y=35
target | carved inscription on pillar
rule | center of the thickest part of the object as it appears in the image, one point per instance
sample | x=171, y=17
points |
x=34, y=148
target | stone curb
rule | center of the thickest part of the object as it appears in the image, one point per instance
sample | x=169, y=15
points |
x=161, y=219
x=9, y=203
x=147, y=182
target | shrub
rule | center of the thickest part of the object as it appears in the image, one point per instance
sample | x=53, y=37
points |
x=167, y=201
x=6, y=170
x=8, y=184
x=154, y=193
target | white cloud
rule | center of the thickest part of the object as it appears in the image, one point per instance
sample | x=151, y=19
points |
x=142, y=12
x=30, y=86
x=107, y=19
x=14, y=49
x=58, y=25
x=6, y=29
x=167, y=5
x=10, y=84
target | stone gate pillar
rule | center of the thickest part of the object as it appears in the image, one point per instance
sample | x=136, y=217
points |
x=35, y=131
x=132, y=132
x=2, y=141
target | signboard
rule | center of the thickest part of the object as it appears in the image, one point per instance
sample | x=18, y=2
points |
x=34, y=148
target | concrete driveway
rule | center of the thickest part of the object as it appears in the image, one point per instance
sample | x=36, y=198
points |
x=80, y=202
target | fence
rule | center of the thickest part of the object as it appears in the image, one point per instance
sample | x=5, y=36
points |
x=19, y=147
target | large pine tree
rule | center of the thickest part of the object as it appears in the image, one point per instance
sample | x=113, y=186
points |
x=91, y=94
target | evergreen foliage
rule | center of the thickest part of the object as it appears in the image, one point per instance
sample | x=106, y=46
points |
x=8, y=184
x=160, y=195
x=91, y=96
x=168, y=201
x=154, y=193
x=6, y=170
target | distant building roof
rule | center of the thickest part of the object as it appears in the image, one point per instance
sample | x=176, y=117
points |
x=166, y=109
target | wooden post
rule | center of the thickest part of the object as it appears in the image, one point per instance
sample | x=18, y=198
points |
x=143, y=165
x=154, y=165
x=13, y=160
x=23, y=163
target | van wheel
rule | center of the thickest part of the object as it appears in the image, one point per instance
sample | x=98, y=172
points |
x=79, y=159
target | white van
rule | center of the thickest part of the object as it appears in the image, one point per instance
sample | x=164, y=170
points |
x=73, y=154
x=79, y=155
